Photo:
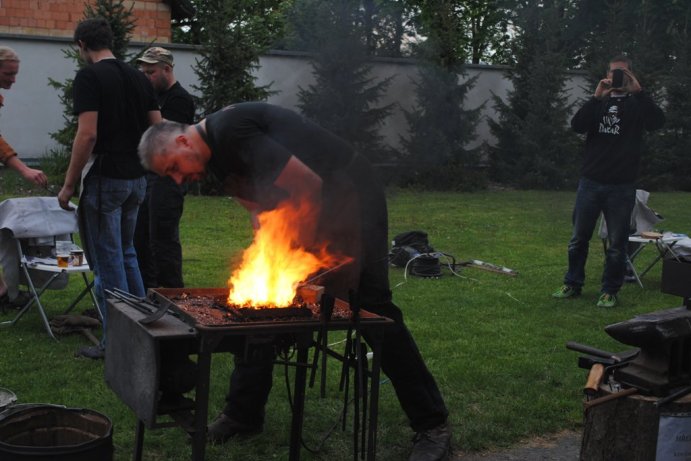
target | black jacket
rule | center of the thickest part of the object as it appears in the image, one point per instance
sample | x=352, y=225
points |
x=614, y=129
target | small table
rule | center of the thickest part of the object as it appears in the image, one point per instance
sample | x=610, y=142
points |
x=50, y=265
x=664, y=245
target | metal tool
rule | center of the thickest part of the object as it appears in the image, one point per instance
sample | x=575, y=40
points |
x=153, y=312
x=664, y=339
x=673, y=396
x=616, y=358
x=600, y=364
x=162, y=310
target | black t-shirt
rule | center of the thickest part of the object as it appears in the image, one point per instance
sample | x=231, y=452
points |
x=252, y=142
x=122, y=96
x=177, y=104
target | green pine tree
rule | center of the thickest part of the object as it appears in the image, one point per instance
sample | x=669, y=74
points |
x=535, y=146
x=440, y=127
x=233, y=36
x=344, y=97
x=668, y=164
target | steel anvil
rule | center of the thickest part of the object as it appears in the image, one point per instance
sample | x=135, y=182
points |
x=664, y=361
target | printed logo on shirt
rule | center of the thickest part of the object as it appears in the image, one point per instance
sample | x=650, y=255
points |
x=610, y=123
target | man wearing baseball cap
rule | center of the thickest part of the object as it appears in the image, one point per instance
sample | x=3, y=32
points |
x=157, y=236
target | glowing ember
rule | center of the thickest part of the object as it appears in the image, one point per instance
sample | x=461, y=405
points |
x=275, y=263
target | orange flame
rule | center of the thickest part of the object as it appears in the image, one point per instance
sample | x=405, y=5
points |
x=275, y=263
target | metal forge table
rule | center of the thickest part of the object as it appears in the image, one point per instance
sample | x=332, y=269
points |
x=133, y=365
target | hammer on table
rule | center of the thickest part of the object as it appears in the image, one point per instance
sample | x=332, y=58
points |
x=600, y=363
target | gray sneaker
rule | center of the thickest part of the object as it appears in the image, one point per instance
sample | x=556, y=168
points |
x=432, y=445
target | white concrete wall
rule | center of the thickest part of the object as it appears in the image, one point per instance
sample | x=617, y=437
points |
x=32, y=108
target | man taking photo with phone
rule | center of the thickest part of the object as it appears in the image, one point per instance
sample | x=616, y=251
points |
x=613, y=120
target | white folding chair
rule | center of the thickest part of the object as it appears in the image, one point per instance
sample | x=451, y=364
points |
x=29, y=230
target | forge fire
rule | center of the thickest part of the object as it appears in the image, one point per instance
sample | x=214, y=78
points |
x=270, y=282
x=277, y=261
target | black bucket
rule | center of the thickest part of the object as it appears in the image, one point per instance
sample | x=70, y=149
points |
x=44, y=432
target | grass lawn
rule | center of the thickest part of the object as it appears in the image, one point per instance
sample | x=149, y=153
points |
x=495, y=343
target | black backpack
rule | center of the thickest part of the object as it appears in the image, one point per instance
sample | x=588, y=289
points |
x=411, y=250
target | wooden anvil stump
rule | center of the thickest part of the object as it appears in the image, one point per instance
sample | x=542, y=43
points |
x=643, y=412
x=626, y=429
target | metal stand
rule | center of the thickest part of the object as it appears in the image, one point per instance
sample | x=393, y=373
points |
x=138, y=357
x=364, y=379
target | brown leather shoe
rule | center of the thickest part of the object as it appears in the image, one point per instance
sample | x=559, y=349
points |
x=432, y=445
x=225, y=427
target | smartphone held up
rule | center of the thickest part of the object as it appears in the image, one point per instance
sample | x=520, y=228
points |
x=617, y=78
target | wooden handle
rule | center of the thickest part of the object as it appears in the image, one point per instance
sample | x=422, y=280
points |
x=617, y=395
x=592, y=384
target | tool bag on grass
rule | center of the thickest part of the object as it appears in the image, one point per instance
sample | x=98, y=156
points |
x=412, y=251
x=73, y=323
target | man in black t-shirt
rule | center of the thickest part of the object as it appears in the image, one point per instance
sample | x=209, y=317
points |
x=268, y=156
x=157, y=237
x=114, y=103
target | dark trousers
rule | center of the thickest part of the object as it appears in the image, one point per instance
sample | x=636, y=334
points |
x=416, y=389
x=157, y=236
x=354, y=221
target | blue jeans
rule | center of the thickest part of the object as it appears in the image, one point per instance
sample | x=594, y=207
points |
x=615, y=201
x=109, y=208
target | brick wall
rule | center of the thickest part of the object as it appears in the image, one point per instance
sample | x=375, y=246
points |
x=58, y=18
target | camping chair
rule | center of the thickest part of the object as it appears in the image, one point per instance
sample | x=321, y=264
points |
x=643, y=219
x=29, y=230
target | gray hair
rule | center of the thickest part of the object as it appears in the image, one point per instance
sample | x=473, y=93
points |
x=8, y=54
x=155, y=139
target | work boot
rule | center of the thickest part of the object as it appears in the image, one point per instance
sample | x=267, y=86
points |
x=225, y=427
x=432, y=445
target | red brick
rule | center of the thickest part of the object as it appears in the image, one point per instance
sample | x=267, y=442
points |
x=52, y=17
